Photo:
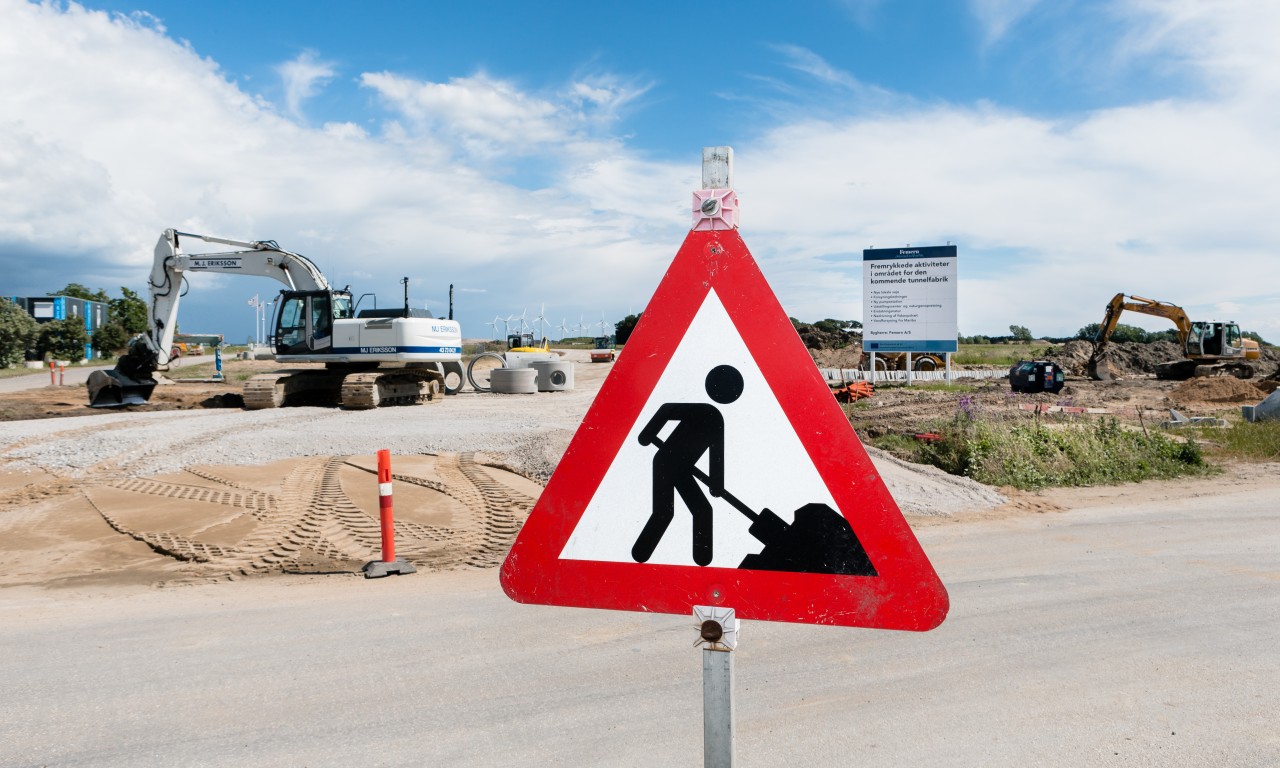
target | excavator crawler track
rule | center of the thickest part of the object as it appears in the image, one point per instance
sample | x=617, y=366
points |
x=355, y=391
x=373, y=389
x=291, y=387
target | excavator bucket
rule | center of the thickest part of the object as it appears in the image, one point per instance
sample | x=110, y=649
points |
x=1099, y=368
x=112, y=389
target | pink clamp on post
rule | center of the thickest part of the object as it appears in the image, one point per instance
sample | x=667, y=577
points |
x=715, y=206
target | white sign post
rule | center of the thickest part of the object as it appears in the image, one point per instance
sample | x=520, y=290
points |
x=909, y=300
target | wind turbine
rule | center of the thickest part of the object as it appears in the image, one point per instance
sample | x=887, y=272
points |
x=541, y=321
x=494, y=325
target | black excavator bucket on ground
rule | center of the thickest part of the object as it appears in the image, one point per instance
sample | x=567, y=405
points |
x=130, y=383
x=111, y=389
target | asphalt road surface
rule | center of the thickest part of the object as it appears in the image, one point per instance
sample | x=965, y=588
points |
x=78, y=374
x=1146, y=635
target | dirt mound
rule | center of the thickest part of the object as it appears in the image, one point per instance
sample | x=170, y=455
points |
x=844, y=357
x=1124, y=358
x=1271, y=383
x=1135, y=359
x=1072, y=356
x=1216, y=389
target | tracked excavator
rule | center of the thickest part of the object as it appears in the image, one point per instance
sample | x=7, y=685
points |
x=1210, y=348
x=370, y=358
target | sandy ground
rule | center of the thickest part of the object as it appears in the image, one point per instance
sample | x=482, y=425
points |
x=183, y=490
x=1122, y=625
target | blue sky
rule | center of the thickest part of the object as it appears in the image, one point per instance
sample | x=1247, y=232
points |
x=543, y=154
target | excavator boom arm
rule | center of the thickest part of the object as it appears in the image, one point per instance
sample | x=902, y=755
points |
x=1121, y=303
x=263, y=258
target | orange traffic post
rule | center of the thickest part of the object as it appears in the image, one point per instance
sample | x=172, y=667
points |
x=53, y=371
x=385, y=510
x=389, y=563
x=62, y=375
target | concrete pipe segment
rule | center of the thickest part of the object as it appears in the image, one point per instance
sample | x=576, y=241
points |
x=554, y=375
x=513, y=381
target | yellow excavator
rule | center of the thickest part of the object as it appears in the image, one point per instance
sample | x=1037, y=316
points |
x=523, y=342
x=1210, y=348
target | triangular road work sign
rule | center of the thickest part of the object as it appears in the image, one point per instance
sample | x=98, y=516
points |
x=716, y=468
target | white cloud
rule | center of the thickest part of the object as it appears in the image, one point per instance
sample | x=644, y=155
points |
x=602, y=98
x=303, y=77
x=488, y=117
x=482, y=119
x=123, y=131
x=999, y=16
x=1158, y=200
x=810, y=63
x=1230, y=44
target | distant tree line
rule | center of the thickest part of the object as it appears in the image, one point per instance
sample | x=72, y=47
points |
x=828, y=333
x=21, y=337
x=835, y=334
x=1122, y=332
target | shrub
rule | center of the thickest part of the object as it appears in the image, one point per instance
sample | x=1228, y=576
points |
x=63, y=339
x=1029, y=455
x=110, y=338
x=18, y=332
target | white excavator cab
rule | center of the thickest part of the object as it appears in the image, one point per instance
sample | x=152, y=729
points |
x=306, y=320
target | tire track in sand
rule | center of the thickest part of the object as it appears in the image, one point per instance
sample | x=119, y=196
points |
x=312, y=526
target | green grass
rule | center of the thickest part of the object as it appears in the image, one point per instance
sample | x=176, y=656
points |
x=998, y=354
x=1031, y=455
x=9, y=373
x=1257, y=441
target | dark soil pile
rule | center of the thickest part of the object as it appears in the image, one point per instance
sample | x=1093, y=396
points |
x=1072, y=357
x=1270, y=384
x=1125, y=358
x=1133, y=358
x=831, y=348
